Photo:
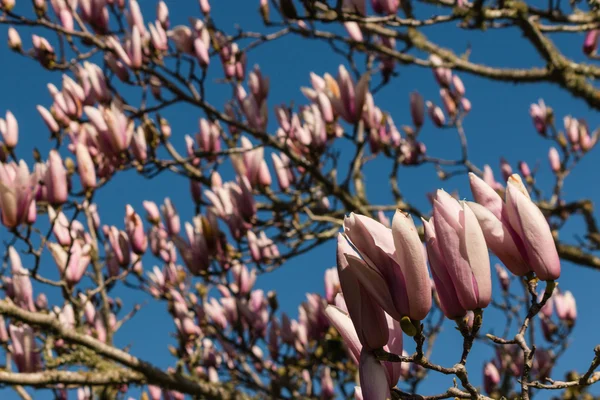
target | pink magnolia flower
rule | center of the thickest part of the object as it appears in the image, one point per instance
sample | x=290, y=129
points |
x=162, y=14
x=72, y=263
x=14, y=39
x=25, y=353
x=366, y=315
x=516, y=230
x=373, y=379
x=341, y=321
x=388, y=7
x=590, y=42
x=347, y=97
x=554, y=159
x=463, y=254
x=135, y=231
x=417, y=109
x=502, y=239
x=533, y=229
x=21, y=284
x=17, y=189
x=396, y=271
x=9, y=130
x=566, y=307
x=327, y=388
x=491, y=377
x=114, y=128
x=539, y=114
x=85, y=166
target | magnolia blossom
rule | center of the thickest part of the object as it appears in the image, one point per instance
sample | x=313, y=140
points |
x=17, y=188
x=515, y=229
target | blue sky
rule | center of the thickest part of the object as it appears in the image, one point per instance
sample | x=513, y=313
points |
x=498, y=126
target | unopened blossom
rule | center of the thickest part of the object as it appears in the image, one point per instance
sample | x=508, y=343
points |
x=21, y=283
x=17, y=189
x=373, y=379
x=436, y=114
x=566, y=307
x=85, y=167
x=590, y=42
x=367, y=316
x=347, y=97
x=73, y=262
x=135, y=231
x=169, y=213
x=554, y=159
x=467, y=272
x=540, y=114
x=491, y=377
x=417, y=109
x=395, y=272
x=24, y=350
x=388, y=7
x=502, y=277
x=14, y=39
x=532, y=227
x=162, y=14
x=9, y=130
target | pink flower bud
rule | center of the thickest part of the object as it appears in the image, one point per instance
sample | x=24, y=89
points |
x=554, y=158
x=7, y=5
x=135, y=231
x=366, y=315
x=539, y=115
x=491, y=377
x=139, y=146
x=56, y=179
x=48, y=119
x=436, y=114
x=204, y=6
x=503, y=277
x=458, y=85
x=280, y=172
x=85, y=166
x=17, y=189
x=136, y=17
x=417, y=109
x=524, y=169
x=182, y=37
x=388, y=7
x=119, y=243
x=442, y=75
x=162, y=14
x=60, y=227
x=171, y=217
x=14, y=40
x=465, y=104
x=590, y=42
x=153, y=214
x=505, y=168
x=340, y=320
x=3, y=331
x=533, y=229
x=373, y=378
x=327, y=388
x=135, y=48
x=566, y=307
x=25, y=352
x=448, y=102
x=21, y=284
x=458, y=228
x=10, y=130
x=354, y=31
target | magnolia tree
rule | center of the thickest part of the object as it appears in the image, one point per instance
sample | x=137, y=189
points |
x=263, y=193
